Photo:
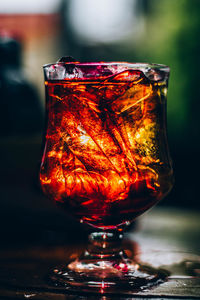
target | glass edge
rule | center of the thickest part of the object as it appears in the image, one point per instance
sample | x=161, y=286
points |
x=136, y=65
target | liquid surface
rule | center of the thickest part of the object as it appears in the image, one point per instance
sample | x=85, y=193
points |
x=106, y=157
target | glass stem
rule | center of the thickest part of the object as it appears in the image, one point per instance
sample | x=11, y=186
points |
x=105, y=244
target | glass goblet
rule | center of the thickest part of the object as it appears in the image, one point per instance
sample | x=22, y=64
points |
x=106, y=161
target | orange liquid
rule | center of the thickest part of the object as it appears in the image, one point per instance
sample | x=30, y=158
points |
x=105, y=158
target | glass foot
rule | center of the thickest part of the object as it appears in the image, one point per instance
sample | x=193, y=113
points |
x=104, y=267
x=107, y=275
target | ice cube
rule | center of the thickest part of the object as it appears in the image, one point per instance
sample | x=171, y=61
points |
x=55, y=72
x=127, y=75
x=88, y=135
x=155, y=75
x=115, y=86
x=72, y=71
x=61, y=71
x=133, y=97
x=110, y=92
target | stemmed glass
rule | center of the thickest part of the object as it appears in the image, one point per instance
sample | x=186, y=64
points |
x=106, y=162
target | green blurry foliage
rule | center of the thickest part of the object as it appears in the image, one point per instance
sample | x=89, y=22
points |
x=173, y=38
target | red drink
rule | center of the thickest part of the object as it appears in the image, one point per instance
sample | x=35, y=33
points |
x=106, y=157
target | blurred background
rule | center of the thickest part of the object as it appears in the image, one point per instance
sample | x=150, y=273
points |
x=33, y=33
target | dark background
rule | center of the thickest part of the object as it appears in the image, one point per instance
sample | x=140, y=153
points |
x=165, y=32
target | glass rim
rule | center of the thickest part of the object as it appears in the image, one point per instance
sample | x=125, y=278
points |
x=132, y=65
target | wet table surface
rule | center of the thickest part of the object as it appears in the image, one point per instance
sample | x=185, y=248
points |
x=163, y=238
